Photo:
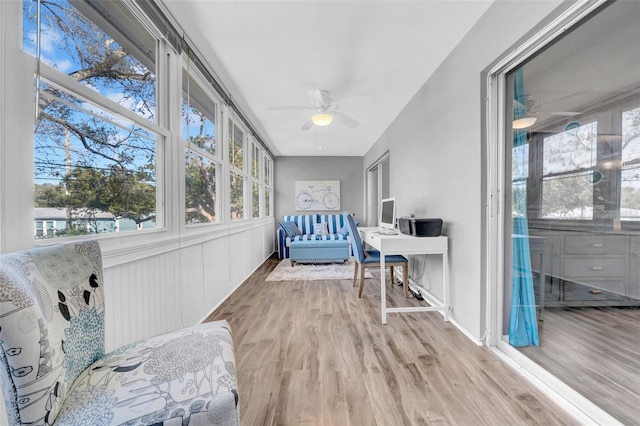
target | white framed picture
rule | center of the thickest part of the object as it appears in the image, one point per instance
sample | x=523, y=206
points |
x=317, y=195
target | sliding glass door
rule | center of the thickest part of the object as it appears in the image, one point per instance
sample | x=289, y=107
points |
x=570, y=293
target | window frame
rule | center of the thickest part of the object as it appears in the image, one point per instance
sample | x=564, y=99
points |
x=256, y=178
x=18, y=229
x=232, y=123
x=198, y=79
x=267, y=180
x=77, y=89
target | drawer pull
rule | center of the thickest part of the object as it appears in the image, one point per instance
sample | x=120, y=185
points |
x=596, y=268
x=596, y=245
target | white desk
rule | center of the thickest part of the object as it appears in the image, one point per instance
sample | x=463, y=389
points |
x=406, y=245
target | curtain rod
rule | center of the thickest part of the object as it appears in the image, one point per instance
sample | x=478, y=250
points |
x=177, y=40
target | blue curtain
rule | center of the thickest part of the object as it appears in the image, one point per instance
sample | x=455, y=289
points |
x=523, y=324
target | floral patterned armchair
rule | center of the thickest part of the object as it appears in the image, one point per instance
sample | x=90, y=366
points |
x=53, y=369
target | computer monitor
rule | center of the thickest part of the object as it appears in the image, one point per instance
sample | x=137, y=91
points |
x=388, y=213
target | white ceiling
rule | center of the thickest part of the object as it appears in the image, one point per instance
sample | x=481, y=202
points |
x=372, y=57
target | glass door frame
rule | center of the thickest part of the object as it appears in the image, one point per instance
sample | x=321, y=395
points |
x=497, y=209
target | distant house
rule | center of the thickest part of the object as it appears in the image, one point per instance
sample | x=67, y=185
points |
x=50, y=222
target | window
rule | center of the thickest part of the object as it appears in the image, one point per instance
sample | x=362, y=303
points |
x=257, y=183
x=95, y=145
x=267, y=202
x=268, y=188
x=255, y=161
x=267, y=170
x=519, y=173
x=236, y=146
x=202, y=165
x=237, y=175
x=630, y=177
x=568, y=162
x=255, y=197
x=200, y=184
x=118, y=66
x=102, y=144
x=236, y=188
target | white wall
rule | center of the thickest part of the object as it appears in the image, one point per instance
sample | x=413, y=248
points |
x=436, y=151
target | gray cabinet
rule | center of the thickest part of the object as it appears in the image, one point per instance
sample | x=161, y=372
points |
x=633, y=283
x=597, y=261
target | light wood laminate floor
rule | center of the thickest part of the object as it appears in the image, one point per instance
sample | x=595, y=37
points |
x=312, y=353
x=596, y=351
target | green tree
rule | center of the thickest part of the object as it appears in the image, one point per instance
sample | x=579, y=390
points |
x=49, y=195
x=200, y=194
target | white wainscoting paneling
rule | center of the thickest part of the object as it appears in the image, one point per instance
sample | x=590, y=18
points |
x=180, y=287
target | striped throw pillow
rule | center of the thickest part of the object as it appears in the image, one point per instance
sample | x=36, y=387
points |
x=290, y=229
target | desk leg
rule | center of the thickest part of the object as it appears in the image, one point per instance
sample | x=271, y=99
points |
x=445, y=283
x=383, y=290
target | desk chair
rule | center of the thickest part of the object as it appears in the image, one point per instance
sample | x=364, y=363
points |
x=371, y=258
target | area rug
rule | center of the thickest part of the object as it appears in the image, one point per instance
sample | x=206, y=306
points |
x=313, y=272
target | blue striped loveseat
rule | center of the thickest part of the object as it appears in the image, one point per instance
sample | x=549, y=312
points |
x=335, y=228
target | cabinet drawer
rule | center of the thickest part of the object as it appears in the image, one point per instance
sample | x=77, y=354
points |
x=595, y=244
x=609, y=267
x=611, y=290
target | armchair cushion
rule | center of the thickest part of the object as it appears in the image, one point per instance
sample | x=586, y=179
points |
x=187, y=376
x=53, y=369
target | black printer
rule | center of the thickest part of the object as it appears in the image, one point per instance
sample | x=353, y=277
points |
x=420, y=227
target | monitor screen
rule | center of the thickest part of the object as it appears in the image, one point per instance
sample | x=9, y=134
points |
x=388, y=213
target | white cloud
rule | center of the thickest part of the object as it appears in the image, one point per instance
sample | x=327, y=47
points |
x=49, y=40
x=64, y=66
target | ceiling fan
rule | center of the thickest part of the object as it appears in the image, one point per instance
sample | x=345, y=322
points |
x=537, y=109
x=324, y=111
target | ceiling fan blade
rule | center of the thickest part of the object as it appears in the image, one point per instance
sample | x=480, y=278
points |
x=287, y=108
x=316, y=95
x=307, y=124
x=346, y=120
x=564, y=113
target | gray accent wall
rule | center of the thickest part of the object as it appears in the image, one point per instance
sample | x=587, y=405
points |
x=436, y=151
x=348, y=170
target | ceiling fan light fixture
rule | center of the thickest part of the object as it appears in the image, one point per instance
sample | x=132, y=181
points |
x=322, y=119
x=523, y=123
